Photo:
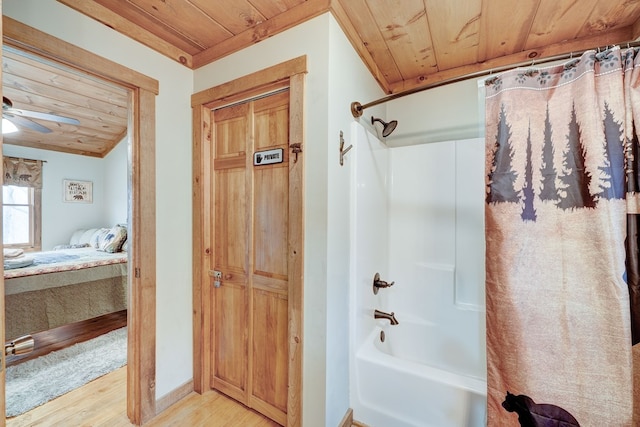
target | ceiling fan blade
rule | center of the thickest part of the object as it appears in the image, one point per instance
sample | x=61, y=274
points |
x=24, y=122
x=42, y=116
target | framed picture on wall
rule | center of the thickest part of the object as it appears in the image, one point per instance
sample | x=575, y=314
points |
x=78, y=191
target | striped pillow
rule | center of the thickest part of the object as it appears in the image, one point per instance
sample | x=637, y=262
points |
x=113, y=240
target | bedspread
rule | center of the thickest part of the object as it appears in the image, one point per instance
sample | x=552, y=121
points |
x=66, y=260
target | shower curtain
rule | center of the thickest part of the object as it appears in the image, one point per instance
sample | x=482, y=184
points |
x=560, y=142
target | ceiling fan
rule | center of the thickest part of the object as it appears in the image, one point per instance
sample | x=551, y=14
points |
x=23, y=118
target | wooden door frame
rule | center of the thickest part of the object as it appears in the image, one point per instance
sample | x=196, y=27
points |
x=141, y=371
x=288, y=74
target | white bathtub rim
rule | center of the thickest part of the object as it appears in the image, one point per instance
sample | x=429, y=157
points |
x=369, y=352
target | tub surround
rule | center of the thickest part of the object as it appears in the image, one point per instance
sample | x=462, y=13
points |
x=409, y=207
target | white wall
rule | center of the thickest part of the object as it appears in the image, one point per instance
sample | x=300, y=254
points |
x=447, y=113
x=174, y=349
x=336, y=70
x=60, y=219
x=349, y=80
x=116, y=189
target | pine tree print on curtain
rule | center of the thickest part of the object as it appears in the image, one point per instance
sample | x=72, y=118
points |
x=613, y=171
x=502, y=176
x=575, y=193
x=557, y=306
x=548, y=189
x=528, y=211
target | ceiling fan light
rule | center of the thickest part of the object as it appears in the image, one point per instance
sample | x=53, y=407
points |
x=8, y=127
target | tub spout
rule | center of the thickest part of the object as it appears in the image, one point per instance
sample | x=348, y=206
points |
x=382, y=315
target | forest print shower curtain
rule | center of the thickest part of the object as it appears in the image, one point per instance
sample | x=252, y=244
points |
x=559, y=141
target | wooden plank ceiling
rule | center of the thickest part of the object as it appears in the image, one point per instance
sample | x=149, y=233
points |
x=34, y=84
x=406, y=44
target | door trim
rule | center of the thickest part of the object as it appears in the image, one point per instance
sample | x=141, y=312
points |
x=141, y=371
x=287, y=74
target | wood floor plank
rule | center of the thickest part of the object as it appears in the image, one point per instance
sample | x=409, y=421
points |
x=102, y=403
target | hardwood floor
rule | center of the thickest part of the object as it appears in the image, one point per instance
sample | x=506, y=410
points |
x=102, y=403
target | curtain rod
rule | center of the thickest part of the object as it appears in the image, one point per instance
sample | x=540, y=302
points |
x=357, y=108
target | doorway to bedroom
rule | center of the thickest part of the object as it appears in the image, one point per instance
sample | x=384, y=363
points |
x=90, y=224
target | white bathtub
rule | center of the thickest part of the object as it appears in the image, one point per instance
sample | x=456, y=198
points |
x=431, y=385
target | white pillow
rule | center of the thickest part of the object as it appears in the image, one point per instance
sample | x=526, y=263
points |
x=86, y=236
x=75, y=237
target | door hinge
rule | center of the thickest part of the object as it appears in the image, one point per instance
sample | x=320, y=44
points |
x=136, y=272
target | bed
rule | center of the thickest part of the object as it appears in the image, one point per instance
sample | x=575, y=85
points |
x=76, y=282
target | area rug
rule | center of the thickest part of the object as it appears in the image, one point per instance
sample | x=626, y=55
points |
x=40, y=380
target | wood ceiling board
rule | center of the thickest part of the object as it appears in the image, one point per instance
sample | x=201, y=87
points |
x=179, y=16
x=125, y=26
x=608, y=15
x=455, y=31
x=368, y=39
x=504, y=28
x=304, y=11
x=70, y=147
x=26, y=68
x=405, y=30
x=524, y=57
x=90, y=117
x=558, y=20
x=73, y=100
x=235, y=17
x=271, y=8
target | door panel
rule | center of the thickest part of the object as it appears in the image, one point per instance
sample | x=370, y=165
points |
x=251, y=241
x=270, y=363
x=271, y=207
x=230, y=303
x=230, y=358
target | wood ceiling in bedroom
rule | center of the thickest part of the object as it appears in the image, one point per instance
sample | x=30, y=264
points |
x=406, y=44
x=32, y=83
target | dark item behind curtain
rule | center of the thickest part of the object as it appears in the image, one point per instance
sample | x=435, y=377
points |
x=22, y=172
x=632, y=245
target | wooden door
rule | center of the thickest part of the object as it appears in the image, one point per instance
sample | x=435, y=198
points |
x=251, y=243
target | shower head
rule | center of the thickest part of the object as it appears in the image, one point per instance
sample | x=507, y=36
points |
x=388, y=127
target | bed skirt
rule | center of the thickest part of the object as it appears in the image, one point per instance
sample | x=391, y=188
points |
x=38, y=303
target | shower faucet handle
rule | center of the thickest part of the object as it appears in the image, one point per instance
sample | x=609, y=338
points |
x=377, y=284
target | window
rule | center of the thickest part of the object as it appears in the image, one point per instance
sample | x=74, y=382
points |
x=21, y=217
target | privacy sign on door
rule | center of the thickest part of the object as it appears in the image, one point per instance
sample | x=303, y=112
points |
x=268, y=157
